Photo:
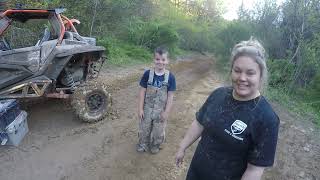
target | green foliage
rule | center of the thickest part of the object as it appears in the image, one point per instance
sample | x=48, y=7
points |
x=194, y=38
x=308, y=98
x=280, y=72
x=290, y=34
x=294, y=104
x=152, y=34
x=302, y=100
x=313, y=93
x=122, y=53
x=226, y=38
x=25, y=4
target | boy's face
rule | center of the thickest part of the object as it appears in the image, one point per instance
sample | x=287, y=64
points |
x=160, y=61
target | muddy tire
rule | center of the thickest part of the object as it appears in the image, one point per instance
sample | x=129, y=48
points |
x=91, y=102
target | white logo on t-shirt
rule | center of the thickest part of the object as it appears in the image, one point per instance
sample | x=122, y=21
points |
x=238, y=127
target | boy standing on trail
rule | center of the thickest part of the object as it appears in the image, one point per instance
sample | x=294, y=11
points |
x=155, y=102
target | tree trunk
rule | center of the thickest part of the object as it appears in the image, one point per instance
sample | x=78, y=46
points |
x=94, y=16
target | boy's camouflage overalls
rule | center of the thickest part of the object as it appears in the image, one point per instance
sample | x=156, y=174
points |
x=152, y=130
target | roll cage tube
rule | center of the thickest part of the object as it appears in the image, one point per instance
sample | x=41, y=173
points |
x=62, y=29
x=36, y=12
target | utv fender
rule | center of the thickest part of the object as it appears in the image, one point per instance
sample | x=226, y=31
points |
x=68, y=50
x=54, y=69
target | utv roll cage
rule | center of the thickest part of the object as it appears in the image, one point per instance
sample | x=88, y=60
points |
x=53, y=15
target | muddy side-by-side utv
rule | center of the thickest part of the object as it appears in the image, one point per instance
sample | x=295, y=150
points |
x=61, y=64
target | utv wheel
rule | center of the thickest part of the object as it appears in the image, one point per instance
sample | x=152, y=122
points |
x=91, y=102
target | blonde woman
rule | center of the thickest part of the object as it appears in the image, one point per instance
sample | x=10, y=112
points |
x=238, y=127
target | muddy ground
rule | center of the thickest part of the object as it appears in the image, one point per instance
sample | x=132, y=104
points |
x=59, y=147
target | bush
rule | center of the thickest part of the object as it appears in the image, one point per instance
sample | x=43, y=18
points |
x=313, y=92
x=152, y=34
x=199, y=40
x=227, y=37
x=121, y=53
x=280, y=71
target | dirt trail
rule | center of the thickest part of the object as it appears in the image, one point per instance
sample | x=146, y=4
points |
x=59, y=147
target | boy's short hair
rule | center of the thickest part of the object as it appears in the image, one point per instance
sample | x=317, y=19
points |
x=161, y=50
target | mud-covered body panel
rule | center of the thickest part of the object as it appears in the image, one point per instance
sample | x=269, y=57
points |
x=28, y=57
x=68, y=50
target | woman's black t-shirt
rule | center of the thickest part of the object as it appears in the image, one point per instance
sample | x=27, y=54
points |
x=235, y=133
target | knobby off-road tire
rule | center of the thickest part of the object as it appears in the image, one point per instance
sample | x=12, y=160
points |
x=91, y=102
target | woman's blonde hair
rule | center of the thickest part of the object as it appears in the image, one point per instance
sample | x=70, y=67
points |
x=253, y=49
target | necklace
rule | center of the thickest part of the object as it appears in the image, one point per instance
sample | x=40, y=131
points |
x=236, y=97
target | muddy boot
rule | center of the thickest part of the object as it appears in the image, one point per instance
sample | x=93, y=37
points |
x=141, y=148
x=154, y=149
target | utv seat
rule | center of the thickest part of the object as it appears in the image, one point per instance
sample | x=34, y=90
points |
x=68, y=35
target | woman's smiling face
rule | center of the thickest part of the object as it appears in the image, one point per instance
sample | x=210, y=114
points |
x=246, y=78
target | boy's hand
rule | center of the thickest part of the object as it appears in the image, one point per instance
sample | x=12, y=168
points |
x=164, y=116
x=141, y=114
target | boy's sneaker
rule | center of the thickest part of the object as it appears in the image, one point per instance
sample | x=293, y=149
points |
x=140, y=148
x=154, y=149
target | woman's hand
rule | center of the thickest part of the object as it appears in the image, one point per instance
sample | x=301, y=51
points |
x=179, y=157
x=252, y=172
x=193, y=133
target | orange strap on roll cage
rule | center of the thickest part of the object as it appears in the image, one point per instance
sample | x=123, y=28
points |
x=68, y=23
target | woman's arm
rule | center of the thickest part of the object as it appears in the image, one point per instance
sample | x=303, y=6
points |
x=191, y=136
x=252, y=172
